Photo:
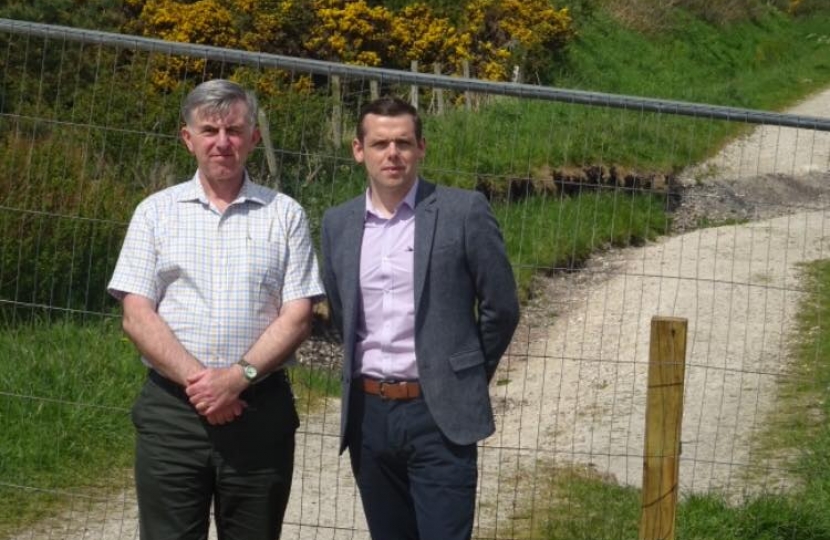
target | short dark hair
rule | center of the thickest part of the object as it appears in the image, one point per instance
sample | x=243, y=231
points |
x=389, y=106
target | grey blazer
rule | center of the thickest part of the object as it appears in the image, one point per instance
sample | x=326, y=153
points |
x=466, y=307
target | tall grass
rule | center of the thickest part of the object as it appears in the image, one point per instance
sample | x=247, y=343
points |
x=766, y=63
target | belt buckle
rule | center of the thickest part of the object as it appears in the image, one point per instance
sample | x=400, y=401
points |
x=381, y=389
x=384, y=384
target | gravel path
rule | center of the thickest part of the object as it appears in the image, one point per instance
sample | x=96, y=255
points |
x=576, y=393
x=572, y=391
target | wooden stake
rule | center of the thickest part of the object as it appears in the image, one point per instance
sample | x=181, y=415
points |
x=664, y=416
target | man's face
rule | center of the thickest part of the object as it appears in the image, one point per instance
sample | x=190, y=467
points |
x=390, y=151
x=221, y=144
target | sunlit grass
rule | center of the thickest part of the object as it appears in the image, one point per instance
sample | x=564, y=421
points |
x=549, y=234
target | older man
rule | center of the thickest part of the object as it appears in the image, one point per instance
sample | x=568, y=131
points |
x=216, y=276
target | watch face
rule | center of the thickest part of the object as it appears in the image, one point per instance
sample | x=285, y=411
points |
x=250, y=372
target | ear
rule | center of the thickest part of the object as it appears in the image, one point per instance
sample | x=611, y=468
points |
x=256, y=136
x=185, y=133
x=357, y=150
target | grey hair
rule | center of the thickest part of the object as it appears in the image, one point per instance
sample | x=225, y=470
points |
x=217, y=96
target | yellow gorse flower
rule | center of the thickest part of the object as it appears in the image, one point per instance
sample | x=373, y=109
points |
x=492, y=35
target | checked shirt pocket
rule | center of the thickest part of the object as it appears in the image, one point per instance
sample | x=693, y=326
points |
x=261, y=261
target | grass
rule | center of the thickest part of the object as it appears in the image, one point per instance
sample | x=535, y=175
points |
x=586, y=506
x=312, y=385
x=739, y=64
x=707, y=222
x=546, y=235
x=67, y=419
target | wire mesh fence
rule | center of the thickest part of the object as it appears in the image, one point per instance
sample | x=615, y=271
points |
x=603, y=234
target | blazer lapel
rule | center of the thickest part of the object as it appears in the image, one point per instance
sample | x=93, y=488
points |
x=426, y=213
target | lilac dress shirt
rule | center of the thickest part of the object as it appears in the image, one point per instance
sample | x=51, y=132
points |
x=386, y=326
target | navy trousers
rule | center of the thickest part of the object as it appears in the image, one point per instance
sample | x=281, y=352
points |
x=414, y=483
x=183, y=464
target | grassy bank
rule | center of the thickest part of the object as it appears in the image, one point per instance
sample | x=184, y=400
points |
x=544, y=235
x=767, y=64
x=589, y=507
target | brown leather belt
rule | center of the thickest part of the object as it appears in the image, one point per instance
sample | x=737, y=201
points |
x=395, y=390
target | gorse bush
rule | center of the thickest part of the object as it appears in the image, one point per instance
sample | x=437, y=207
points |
x=492, y=35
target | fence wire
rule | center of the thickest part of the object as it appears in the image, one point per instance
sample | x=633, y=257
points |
x=602, y=236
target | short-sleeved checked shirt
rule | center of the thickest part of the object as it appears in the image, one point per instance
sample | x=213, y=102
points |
x=218, y=279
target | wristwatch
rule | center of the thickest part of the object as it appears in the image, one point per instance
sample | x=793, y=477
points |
x=249, y=371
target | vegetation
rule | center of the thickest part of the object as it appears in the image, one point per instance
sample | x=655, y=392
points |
x=63, y=425
x=741, y=64
x=492, y=35
x=546, y=236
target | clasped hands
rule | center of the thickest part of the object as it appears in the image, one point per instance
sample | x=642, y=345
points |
x=214, y=393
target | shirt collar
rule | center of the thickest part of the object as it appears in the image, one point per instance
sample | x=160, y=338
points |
x=195, y=192
x=408, y=200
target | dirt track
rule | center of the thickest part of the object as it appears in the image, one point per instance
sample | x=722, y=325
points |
x=578, y=395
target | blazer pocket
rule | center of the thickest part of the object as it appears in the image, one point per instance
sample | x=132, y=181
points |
x=466, y=360
x=445, y=246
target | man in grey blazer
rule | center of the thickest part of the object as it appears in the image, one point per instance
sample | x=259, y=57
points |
x=424, y=298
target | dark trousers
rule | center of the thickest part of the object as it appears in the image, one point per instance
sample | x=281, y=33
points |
x=183, y=464
x=414, y=483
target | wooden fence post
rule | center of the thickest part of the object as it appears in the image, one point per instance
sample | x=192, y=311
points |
x=468, y=96
x=336, y=112
x=438, y=93
x=413, y=90
x=268, y=146
x=664, y=416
